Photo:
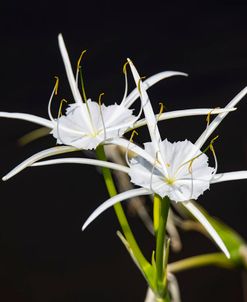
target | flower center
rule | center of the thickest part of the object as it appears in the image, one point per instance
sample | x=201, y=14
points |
x=94, y=134
x=170, y=181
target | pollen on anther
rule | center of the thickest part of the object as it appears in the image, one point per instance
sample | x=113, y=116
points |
x=134, y=132
x=139, y=84
x=56, y=85
x=79, y=60
x=209, y=116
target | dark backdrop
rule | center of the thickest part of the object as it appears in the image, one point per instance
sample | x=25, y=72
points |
x=44, y=256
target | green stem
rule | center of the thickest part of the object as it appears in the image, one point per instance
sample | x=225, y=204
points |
x=119, y=210
x=215, y=259
x=164, y=205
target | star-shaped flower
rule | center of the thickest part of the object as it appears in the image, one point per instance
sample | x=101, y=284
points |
x=178, y=170
x=87, y=124
x=182, y=179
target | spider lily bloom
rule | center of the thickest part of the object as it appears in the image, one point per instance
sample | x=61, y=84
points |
x=178, y=170
x=87, y=124
x=178, y=176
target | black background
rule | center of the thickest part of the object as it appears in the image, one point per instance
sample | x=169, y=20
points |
x=44, y=256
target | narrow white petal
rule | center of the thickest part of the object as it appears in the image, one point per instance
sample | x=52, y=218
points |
x=131, y=98
x=183, y=113
x=150, y=117
x=38, y=156
x=215, y=123
x=85, y=161
x=111, y=201
x=203, y=220
x=29, y=118
x=68, y=68
x=147, y=108
x=237, y=175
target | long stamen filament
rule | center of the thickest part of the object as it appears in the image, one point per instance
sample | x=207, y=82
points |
x=56, y=85
x=79, y=60
x=161, y=111
x=126, y=83
x=58, y=118
x=190, y=162
x=208, y=120
x=162, y=107
x=60, y=107
x=152, y=173
x=79, y=71
x=78, y=67
x=82, y=85
x=139, y=84
x=211, y=147
x=125, y=67
x=101, y=114
x=134, y=132
x=132, y=135
x=54, y=92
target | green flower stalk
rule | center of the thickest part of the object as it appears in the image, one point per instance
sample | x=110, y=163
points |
x=134, y=249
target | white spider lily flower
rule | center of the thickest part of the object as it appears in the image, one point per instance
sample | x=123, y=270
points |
x=87, y=124
x=53, y=125
x=182, y=179
x=179, y=170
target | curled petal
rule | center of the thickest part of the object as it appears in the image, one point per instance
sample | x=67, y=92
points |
x=111, y=201
x=207, y=225
x=38, y=156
